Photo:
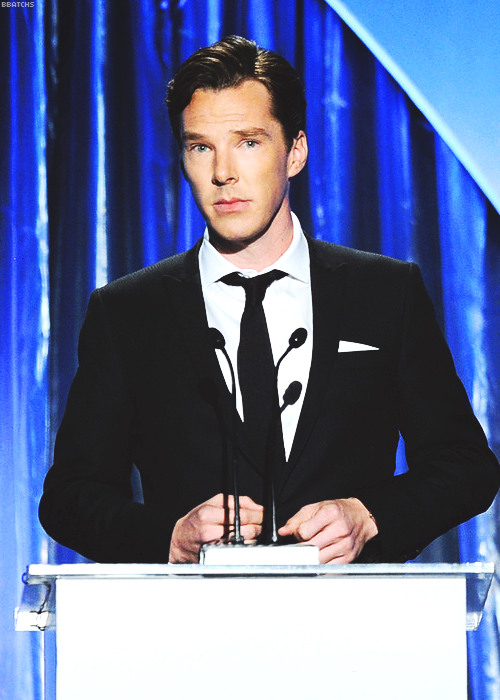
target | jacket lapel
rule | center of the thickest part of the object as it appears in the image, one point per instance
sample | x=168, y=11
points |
x=183, y=287
x=327, y=289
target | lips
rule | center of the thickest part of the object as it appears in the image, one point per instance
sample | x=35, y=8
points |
x=230, y=206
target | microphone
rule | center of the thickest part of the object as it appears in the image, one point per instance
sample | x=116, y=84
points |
x=296, y=340
x=291, y=396
x=218, y=342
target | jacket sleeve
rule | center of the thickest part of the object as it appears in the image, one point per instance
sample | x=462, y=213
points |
x=87, y=500
x=452, y=474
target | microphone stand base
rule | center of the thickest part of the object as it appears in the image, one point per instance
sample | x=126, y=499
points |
x=259, y=554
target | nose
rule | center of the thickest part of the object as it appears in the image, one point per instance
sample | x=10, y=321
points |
x=224, y=169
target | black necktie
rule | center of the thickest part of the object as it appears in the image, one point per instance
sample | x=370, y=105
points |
x=255, y=359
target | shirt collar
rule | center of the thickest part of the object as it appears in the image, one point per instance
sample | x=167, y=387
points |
x=294, y=261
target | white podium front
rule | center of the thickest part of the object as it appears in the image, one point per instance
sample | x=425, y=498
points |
x=185, y=632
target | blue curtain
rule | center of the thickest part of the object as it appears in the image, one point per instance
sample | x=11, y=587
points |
x=91, y=189
x=24, y=328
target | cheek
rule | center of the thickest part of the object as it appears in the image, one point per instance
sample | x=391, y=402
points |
x=275, y=183
x=196, y=172
x=198, y=188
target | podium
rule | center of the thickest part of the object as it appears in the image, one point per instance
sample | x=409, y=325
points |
x=180, y=632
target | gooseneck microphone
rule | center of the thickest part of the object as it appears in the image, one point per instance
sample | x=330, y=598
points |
x=291, y=396
x=218, y=342
x=296, y=340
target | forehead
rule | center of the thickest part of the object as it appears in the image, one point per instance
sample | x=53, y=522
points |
x=249, y=103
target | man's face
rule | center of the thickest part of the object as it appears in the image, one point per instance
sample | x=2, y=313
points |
x=237, y=163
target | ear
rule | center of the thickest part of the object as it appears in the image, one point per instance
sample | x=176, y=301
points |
x=297, y=157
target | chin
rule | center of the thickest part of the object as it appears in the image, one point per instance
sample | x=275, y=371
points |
x=233, y=240
x=230, y=244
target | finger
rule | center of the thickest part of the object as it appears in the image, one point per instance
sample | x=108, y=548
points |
x=331, y=535
x=327, y=516
x=304, y=527
x=187, y=549
x=337, y=544
x=250, y=512
x=208, y=532
x=247, y=503
x=345, y=548
x=250, y=532
x=336, y=555
x=317, y=531
x=209, y=514
x=294, y=523
x=248, y=517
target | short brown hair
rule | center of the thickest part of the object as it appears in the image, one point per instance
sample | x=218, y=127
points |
x=228, y=63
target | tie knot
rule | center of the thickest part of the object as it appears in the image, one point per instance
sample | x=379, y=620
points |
x=255, y=287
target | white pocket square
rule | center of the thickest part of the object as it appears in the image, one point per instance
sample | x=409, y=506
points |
x=347, y=346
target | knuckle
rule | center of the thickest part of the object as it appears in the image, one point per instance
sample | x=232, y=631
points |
x=301, y=532
x=344, y=530
x=331, y=507
x=205, y=517
x=252, y=533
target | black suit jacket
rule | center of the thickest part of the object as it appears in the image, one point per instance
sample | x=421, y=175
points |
x=149, y=392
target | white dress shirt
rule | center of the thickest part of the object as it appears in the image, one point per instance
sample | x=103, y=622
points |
x=287, y=306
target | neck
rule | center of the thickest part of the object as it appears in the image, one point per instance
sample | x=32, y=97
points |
x=261, y=251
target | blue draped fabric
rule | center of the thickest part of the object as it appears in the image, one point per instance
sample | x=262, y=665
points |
x=91, y=189
x=24, y=326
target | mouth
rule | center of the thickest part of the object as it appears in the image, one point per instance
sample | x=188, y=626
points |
x=229, y=206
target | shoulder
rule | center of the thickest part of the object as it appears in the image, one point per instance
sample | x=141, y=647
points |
x=149, y=280
x=333, y=255
x=370, y=282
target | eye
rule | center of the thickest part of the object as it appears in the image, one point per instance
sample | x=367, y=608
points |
x=251, y=143
x=198, y=148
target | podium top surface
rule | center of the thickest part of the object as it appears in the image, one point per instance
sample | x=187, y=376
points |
x=42, y=573
x=41, y=580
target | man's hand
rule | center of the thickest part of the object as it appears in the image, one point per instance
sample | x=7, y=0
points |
x=206, y=522
x=339, y=528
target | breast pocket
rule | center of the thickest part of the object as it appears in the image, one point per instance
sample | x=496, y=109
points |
x=364, y=381
x=361, y=359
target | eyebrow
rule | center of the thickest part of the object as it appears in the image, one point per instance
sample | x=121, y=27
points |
x=192, y=136
x=254, y=131
x=242, y=133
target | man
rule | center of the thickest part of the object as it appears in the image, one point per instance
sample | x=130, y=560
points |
x=151, y=390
